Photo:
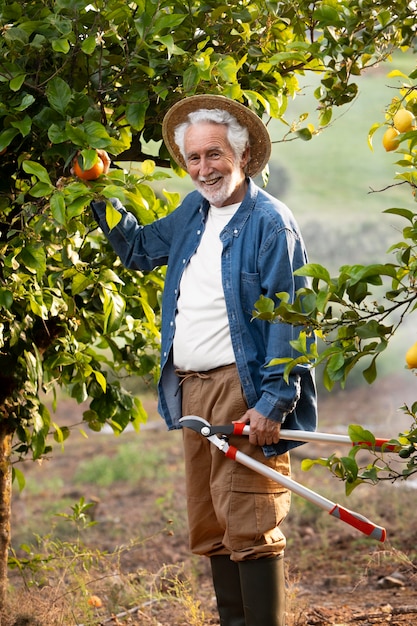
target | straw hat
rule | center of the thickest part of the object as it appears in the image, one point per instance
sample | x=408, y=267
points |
x=260, y=142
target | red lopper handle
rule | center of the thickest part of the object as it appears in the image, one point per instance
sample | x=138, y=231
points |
x=238, y=428
x=358, y=521
x=231, y=452
x=380, y=444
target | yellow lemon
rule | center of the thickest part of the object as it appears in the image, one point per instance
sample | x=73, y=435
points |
x=411, y=356
x=404, y=120
x=389, y=139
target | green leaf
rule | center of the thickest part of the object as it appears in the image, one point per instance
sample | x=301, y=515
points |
x=370, y=373
x=371, y=329
x=113, y=216
x=61, y=434
x=101, y=379
x=6, y=298
x=406, y=213
x=307, y=464
x=24, y=125
x=150, y=316
x=58, y=93
x=304, y=133
x=57, y=203
x=350, y=485
x=357, y=433
x=191, y=78
x=140, y=415
x=136, y=114
x=19, y=477
x=97, y=135
x=80, y=282
x=87, y=158
x=114, y=309
x=16, y=82
x=314, y=271
x=227, y=69
x=171, y=21
x=88, y=45
x=57, y=133
x=7, y=136
x=15, y=34
x=265, y=306
x=38, y=444
x=61, y=45
x=326, y=116
x=41, y=190
x=31, y=167
x=34, y=257
x=170, y=45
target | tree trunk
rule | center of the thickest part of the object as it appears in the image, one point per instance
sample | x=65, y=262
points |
x=5, y=506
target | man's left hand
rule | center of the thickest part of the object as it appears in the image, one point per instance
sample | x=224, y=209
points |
x=263, y=431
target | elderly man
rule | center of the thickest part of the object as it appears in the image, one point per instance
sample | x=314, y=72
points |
x=225, y=245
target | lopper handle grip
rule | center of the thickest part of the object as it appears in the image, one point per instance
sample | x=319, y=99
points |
x=359, y=522
x=239, y=428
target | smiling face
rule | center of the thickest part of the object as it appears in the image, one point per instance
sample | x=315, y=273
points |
x=214, y=168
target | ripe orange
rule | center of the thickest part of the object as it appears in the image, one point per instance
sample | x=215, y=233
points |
x=403, y=120
x=95, y=601
x=389, y=139
x=411, y=356
x=90, y=174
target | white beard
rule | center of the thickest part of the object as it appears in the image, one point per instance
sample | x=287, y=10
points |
x=221, y=191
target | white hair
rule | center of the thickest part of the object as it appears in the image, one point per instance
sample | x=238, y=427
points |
x=237, y=135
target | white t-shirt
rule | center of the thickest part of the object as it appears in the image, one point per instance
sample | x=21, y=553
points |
x=202, y=337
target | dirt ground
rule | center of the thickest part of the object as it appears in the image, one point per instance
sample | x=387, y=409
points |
x=335, y=575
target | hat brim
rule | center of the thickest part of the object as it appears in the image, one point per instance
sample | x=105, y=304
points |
x=259, y=139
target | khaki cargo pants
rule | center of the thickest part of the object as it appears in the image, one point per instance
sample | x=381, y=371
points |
x=231, y=509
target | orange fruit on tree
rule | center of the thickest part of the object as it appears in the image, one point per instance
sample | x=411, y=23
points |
x=390, y=139
x=92, y=173
x=403, y=120
x=411, y=356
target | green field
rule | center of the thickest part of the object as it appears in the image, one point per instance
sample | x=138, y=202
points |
x=333, y=183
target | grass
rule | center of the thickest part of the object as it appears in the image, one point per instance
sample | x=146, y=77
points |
x=127, y=466
x=135, y=557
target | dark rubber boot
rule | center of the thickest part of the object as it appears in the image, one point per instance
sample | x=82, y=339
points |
x=263, y=591
x=226, y=583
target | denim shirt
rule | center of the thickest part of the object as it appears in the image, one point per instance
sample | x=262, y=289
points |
x=262, y=246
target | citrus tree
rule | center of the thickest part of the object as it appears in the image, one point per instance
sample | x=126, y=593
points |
x=77, y=76
x=356, y=313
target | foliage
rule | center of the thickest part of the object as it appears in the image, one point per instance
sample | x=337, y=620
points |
x=76, y=76
x=394, y=460
x=356, y=313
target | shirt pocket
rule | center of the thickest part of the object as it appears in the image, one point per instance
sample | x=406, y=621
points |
x=250, y=291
